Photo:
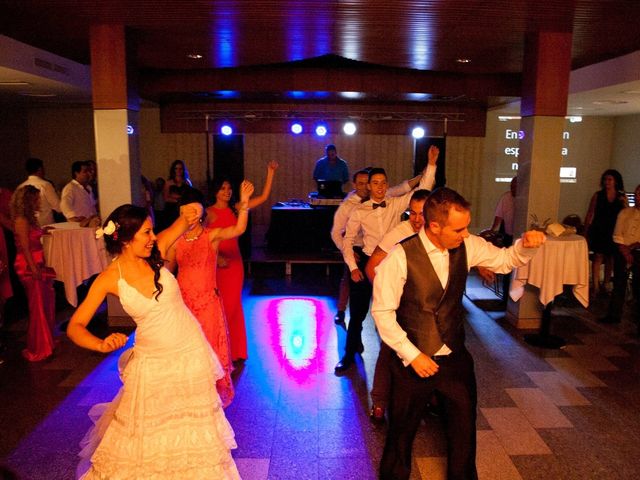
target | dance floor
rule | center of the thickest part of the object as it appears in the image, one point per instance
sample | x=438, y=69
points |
x=543, y=414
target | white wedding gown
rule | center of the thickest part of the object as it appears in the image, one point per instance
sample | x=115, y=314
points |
x=167, y=421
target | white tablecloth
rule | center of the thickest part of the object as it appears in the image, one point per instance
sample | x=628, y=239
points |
x=560, y=261
x=75, y=254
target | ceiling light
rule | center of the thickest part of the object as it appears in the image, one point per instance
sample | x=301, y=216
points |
x=226, y=130
x=321, y=130
x=349, y=128
x=16, y=83
x=609, y=102
x=463, y=60
x=417, y=133
x=194, y=56
x=296, y=128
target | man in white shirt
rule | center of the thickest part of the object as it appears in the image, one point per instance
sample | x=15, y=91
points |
x=375, y=217
x=417, y=307
x=49, y=200
x=626, y=236
x=382, y=375
x=357, y=196
x=78, y=203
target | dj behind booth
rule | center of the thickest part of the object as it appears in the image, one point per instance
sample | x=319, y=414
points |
x=299, y=226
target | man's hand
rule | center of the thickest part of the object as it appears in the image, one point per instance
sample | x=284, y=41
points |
x=433, y=154
x=424, y=366
x=486, y=274
x=533, y=239
x=357, y=276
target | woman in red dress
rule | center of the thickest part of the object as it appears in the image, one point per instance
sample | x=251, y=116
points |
x=195, y=253
x=36, y=278
x=230, y=272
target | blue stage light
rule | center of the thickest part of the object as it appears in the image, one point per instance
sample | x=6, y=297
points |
x=226, y=130
x=296, y=128
x=321, y=130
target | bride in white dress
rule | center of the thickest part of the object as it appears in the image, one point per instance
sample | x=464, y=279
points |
x=167, y=421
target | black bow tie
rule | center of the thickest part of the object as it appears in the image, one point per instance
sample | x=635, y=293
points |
x=382, y=204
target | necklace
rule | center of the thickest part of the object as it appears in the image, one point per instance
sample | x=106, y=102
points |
x=195, y=237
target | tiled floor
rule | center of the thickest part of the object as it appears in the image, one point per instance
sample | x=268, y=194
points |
x=543, y=414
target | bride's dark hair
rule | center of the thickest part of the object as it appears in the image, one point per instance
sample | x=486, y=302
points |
x=128, y=219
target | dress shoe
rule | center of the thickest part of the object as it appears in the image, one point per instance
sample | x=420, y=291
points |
x=608, y=319
x=339, y=318
x=344, y=364
x=377, y=414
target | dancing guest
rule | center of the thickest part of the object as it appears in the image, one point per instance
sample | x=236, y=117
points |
x=417, y=307
x=6, y=290
x=230, y=266
x=599, y=223
x=173, y=189
x=195, y=254
x=34, y=276
x=167, y=421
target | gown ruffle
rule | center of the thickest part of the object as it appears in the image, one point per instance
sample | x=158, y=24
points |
x=167, y=421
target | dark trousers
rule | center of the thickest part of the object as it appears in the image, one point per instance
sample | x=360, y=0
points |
x=620, y=279
x=359, y=299
x=456, y=386
x=381, y=389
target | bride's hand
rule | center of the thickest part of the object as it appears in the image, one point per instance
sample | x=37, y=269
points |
x=112, y=342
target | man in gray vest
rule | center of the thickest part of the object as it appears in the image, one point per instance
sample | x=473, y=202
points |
x=417, y=307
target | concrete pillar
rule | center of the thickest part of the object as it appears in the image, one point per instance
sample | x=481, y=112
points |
x=545, y=88
x=115, y=117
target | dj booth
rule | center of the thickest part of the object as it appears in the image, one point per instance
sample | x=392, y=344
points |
x=302, y=227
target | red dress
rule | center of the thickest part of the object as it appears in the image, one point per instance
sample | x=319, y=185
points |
x=41, y=297
x=5, y=282
x=230, y=280
x=197, y=279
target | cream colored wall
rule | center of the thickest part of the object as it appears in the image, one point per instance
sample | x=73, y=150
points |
x=626, y=150
x=590, y=152
x=60, y=137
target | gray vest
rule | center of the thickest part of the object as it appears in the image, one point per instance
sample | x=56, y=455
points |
x=430, y=315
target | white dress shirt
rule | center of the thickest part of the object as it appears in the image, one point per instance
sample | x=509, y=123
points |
x=376, y=222
x=77, y=201
x=350, y=202
x=627, y=230
x=49, y=200
x=396, y=234
x=391, y=275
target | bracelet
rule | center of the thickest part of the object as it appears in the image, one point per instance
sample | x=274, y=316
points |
x=243, y=209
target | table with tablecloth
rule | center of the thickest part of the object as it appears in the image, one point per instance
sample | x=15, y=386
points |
x=561, y=261
x=75, y=254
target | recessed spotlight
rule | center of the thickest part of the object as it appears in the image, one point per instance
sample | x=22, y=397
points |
x=39, y=95
x=418, y=133
x=349, y=128
x=463, y=60
x=194, y=56
x=16, y=83
x=609, y=102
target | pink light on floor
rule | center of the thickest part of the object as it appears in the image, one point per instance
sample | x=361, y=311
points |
x=296, y=320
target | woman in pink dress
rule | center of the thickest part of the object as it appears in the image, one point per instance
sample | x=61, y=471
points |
x=195, y=254
x=230, y=267
x=36, y=278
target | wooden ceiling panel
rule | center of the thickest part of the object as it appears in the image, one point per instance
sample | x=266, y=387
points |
x=427, y=35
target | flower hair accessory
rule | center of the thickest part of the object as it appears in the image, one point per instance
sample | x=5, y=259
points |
x=109, y=229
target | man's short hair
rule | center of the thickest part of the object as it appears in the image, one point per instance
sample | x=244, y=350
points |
x=440, y=202
x=331, y=146
x=364, y=171
x=377, y=171
x=32, y=165
x=420, y=195
x=76, y=167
